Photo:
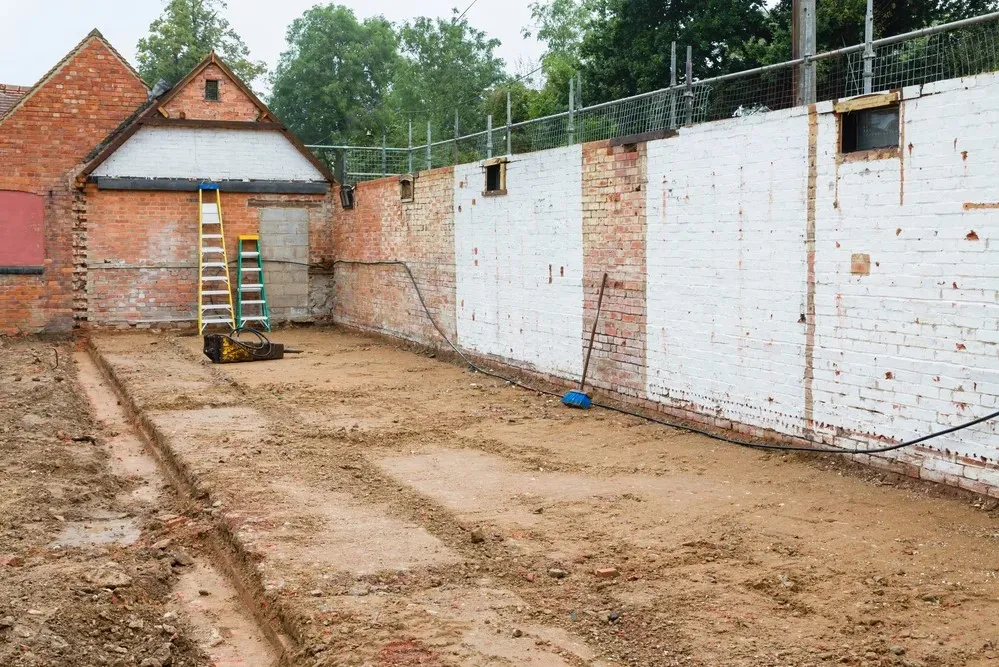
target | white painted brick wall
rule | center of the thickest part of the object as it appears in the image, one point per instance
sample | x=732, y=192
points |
x=727, y=269
x=205, y=153
x=519, y=261
x=927, y=313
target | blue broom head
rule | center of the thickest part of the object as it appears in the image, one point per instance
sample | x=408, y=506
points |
x=577, y=399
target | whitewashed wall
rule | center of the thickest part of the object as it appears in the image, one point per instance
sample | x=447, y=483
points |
x=912, y=347
x=726, y=269
x=519, y=261
x=217, y=154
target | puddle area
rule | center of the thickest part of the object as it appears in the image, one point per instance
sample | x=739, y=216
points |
x=97, y=531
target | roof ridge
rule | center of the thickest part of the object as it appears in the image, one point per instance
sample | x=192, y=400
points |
x=93, y=34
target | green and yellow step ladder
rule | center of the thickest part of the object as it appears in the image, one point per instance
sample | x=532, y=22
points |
x=214, y=289
x=251, y=301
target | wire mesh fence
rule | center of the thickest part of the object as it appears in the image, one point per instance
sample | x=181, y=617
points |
x=961, y=48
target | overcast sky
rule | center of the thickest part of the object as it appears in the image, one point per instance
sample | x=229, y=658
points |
x=37, y=34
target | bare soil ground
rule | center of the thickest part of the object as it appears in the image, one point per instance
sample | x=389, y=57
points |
x=391, y=509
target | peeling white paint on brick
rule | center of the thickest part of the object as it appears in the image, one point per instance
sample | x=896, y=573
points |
x=913, y=347
x=519, y=261
x=726, y=269
x=208, y=153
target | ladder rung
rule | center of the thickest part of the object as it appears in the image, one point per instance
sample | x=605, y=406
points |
x=213, y=265
x=217, y=320
x=249, y=255
x=215, y=292
x=211, y=236
x=252, y=303
x=214, y=279
x=255, y=318
x=216, y=306
x=248, y=270
x=251, y=287
x=213, y=250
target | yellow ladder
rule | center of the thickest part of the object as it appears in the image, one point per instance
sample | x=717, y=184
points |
x=214, y=289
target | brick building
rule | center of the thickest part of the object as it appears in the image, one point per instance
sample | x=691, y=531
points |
x=98, y=195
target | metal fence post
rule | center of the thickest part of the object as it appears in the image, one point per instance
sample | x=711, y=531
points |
x=572, y=112
x=429, y=159
x=579, y=89
x=509, y=129
x=410, y=151
x=672, y=86
x=456, y=137
x=384, y=155
x=489, y=136
x=688, y=94
x=869, y=49
x=805, y=25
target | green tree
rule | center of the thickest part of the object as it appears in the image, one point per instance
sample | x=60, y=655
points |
x=562, y=25
x=447, y=66
x=331, y=84
x=840, y=23
x=184, y=34
x=626, y=48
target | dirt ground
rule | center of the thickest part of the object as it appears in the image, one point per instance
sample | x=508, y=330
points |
x=387, y=508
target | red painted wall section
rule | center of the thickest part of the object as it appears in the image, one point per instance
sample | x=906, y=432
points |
x=21, y=240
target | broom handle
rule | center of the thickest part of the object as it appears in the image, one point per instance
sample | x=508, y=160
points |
x=593, y=332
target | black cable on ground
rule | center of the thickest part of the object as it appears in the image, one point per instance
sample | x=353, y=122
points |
x=692, y=429
x=259, y=349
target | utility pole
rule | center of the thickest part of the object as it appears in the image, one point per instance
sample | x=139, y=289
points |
x=803, y=45
x=869, y=49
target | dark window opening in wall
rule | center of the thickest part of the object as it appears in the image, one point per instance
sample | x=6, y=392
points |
x=495, y=176
x=406, y=187
x=212, y=90
x=869, y=129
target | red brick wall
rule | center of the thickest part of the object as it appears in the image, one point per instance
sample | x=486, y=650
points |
x=614, y=191
x=41, y=143
x=190, y=101
x=143, y=247
x=421, y=233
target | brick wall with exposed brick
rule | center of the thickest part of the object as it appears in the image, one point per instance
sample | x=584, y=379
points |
x=41, y=142
x=143, y=253
x=761, y=281
x=421, y=233
x=190, y=103
x=615, y=179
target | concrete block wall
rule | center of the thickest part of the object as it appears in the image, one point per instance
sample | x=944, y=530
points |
x=760, y=280
x=284, y=236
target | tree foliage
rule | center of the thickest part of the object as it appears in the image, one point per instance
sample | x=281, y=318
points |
x=186, y=32
x=446, y=66
x=332, y=83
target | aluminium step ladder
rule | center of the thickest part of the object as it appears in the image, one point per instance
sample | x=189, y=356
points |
x=251, y=292
x=214, y=289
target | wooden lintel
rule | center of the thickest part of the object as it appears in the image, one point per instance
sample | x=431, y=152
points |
x=212, y=124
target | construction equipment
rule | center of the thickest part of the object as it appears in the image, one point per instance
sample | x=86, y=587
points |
x=214, y=289
x=578, y=398
x=251, y=292
x=228, y=349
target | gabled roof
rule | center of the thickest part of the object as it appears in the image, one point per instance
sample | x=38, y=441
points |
x=92, y=35
x=154, y=113
x=10, y=94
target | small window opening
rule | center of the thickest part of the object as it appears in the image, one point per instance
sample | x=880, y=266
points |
x=495, y=177
x=406, y=187
x=868, y=129
x=212, y=90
